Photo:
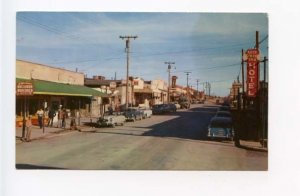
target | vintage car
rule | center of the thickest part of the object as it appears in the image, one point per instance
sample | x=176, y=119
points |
x=111, y=120
x=225, y=114
x=158, y=109
x=147, y=113
x=133, y=114
x=163, y=108
x=176, y=104
x=171, y=107
x=224, y=108
x=220, y=128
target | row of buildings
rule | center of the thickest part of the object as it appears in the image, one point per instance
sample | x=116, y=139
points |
x=43, y=86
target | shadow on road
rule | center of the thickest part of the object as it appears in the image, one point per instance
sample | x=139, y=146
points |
x=190, y=124
x=29, y=166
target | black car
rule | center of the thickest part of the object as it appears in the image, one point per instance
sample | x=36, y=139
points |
x=158, y=109
x=225, y=114
x=224, y=108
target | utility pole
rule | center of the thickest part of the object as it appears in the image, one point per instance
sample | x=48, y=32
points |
x=243, y=81
x=209, y=89
x=169, y=70
x=197, y=88
x=187, y=83
x=127, y=50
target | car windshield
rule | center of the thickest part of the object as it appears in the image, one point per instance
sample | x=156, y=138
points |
x=220, y=124
x=223, y=114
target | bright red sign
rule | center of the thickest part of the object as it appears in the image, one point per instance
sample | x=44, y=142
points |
x=252, y=71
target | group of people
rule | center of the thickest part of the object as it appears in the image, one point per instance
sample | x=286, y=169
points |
x=61, y=114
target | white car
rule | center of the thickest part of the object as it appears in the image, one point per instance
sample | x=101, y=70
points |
x=111, y=120
x=147, y=113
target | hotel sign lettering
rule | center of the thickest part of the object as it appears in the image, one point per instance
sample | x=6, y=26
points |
x=252, y=57
x=24, y=89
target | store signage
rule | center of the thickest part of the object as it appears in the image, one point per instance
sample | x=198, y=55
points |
x=252, y=58
x=24, y=89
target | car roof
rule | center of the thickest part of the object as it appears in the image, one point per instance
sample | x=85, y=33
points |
x=220, y=120
x=223, y=112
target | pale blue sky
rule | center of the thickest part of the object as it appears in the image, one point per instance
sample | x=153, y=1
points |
x=207, y=44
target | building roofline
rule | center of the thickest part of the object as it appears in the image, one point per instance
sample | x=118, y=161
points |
x=50, y=66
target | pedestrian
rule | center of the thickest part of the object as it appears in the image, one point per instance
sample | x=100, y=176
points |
x=60, y=116
x=40, y=114
x=64, y=116
x=51, y=115
x=28, y=128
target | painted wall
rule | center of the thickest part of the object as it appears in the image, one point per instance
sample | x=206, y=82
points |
x=29, y=70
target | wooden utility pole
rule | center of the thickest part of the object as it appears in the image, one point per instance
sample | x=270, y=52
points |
x=197, y=88
x=243, y=81
x=127, y=50
x=187, y=83
x=169, y=70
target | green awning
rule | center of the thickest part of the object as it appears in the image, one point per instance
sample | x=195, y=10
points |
x=41, y=87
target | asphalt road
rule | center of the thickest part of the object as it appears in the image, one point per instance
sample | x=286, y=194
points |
x=174, y=141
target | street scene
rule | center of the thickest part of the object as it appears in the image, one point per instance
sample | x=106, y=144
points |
x=142, y=91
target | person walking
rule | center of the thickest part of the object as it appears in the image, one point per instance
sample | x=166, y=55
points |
x=40, y=114
x=64, y=116
x=28, y=129
x=60, y=116
x=51, y=115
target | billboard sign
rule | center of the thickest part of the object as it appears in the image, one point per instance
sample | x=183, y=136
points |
x=252, y=58
x=24, y=89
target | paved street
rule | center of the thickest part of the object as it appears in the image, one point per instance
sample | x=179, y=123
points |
x=174, y=141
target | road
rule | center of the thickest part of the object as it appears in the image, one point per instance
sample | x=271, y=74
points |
x=174, y=141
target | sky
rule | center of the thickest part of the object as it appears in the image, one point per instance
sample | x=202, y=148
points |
x=208, y=45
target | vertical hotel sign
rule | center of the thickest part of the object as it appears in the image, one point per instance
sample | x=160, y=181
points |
x=252, y=57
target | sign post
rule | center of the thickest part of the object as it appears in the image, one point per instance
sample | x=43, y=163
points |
x=24, y=89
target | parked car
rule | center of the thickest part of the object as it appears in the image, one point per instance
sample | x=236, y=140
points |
x=225, y=114
x=221, y=128
x=158, y=109
x=177, y=105
x=224, y=108
x=133, y=114
x=170, y=107
x=111, y=120
x=164, y=108
x=147, y=113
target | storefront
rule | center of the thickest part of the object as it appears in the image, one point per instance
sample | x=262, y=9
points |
x=46, y=95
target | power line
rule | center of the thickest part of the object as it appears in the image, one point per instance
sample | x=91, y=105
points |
x=51, y=29
x=215, y=67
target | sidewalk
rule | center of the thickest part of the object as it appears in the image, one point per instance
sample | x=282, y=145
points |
x=37, y=133
x=253, y=145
